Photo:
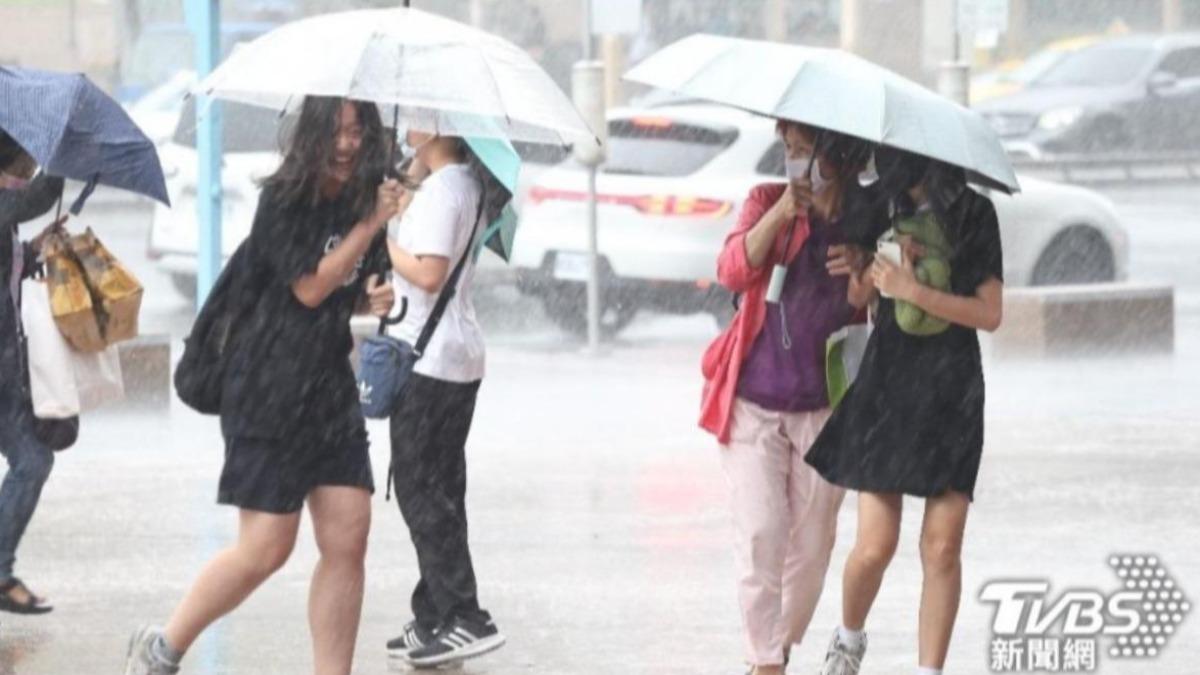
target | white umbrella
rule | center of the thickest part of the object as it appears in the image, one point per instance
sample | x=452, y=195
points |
x=438, y=75
x=834, y=90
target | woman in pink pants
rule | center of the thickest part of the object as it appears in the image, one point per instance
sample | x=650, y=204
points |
x=765, y=395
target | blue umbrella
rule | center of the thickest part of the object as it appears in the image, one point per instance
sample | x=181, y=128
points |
x=75, y=130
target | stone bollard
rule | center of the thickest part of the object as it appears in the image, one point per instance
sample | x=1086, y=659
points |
x=1085, y=320
x=146, y=369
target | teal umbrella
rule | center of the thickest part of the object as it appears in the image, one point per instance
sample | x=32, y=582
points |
x=503, y=165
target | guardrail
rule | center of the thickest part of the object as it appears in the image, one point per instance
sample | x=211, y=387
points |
x=1114, y=168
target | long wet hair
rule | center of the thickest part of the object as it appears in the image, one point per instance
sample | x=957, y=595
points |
x=309, y=145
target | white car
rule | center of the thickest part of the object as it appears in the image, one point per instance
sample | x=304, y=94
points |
x=251, y=144
x=670, y=192
x=250, y=138
x=157, y=111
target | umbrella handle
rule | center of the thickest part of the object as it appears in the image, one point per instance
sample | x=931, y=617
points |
x=386, y=321
x=84, y=194
x=395, y=141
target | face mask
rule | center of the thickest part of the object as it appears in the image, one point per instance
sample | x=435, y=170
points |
x=407, y=151
x=11, y=182
x=870, y=174
x=798, y=167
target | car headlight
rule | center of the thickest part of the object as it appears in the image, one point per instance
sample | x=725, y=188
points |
x=1060, y=118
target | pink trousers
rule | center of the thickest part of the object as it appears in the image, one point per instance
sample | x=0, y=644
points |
x=785, y=523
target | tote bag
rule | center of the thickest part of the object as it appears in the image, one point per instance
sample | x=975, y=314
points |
x=64, y=382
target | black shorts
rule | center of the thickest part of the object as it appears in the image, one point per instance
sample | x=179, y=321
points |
x=275, y=476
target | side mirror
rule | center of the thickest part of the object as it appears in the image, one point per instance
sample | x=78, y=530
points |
x=1162, y=81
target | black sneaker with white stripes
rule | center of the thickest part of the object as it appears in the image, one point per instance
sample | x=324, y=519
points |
x=459, y=640
x=414, y=637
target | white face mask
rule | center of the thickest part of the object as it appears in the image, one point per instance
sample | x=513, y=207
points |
x=11, y=182
x=409, y=151
x=797, y=167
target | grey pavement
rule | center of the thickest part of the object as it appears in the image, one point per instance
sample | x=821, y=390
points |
x=598, y=509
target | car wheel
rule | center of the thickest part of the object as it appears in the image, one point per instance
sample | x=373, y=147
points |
x=566, y=305
x=185, y=284
x=1078, y=255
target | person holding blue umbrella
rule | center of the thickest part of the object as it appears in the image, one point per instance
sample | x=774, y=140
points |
x=66, y=125
x=462, y=200
x=72, y=129
x=29, y=458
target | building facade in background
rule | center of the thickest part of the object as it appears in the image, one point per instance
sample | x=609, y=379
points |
x=116, y=41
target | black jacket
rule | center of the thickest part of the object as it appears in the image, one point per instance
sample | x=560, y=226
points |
x=16, y=207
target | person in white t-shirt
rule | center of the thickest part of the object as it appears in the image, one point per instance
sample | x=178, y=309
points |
x=430, y=426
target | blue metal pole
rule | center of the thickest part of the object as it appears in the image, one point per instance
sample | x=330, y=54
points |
x=206, y=27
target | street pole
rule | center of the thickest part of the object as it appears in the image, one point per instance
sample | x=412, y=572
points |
x=954, y=76
x=206, y=22
x=593, y=280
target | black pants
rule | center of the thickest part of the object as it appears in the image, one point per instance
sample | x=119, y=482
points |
x=429, y=466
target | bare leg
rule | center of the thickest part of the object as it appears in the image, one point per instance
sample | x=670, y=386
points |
x=941, y=558
x=878, y=534
x=341, y=520
x=265, y=541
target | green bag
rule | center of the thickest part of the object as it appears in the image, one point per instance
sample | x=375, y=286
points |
x=843, y=357
x=932, y=270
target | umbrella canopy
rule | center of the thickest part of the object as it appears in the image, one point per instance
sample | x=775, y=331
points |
x=835, y=90
x=503, y=165
x=75, y=130
x=443, y=76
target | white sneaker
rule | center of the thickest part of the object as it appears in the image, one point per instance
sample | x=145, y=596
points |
x=841, y=659
x=140, y=659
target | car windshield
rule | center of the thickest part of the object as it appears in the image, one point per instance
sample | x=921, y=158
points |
x=660, y=146
x=156, y=56
x=245, y=128
x=540, y=153
x=1100, y=66
x=159, y=53
x=1035, y=66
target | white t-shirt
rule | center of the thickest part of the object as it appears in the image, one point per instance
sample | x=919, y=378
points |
x=439, y=222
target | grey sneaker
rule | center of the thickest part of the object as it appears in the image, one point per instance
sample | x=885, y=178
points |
x=841, y=659
x=141, y=659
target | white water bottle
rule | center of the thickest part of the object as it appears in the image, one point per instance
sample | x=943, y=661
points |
x=775, y=288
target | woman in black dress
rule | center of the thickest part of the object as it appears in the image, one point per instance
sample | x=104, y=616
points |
x=912, y=423
x=293, y=426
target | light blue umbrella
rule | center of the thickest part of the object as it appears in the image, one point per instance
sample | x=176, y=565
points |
x=504, y=166
x=834, y=90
